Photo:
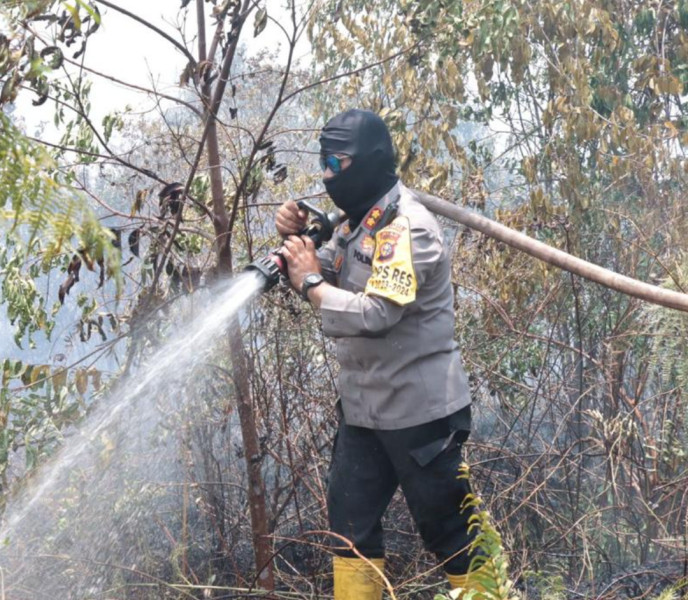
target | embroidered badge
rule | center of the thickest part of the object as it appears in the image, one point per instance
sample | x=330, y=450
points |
x=386, y=251
x=346, y=229
x=373, y=217
x=367, y=244
x=338, y=263
x=393, y=275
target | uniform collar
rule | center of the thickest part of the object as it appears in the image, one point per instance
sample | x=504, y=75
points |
x=374, y=215
x=372, y=218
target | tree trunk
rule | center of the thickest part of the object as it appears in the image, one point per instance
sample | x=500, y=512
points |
x=262, y=547
x=256, y=487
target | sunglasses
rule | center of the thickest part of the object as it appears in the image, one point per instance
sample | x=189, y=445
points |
x=331, y=162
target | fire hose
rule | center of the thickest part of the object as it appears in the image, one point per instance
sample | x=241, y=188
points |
x=553, y=256
x=322, y=226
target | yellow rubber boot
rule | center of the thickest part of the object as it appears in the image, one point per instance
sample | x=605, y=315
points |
x=357, y=579
x=464, y=583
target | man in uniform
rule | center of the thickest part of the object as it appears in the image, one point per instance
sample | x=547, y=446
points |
x=383, y=287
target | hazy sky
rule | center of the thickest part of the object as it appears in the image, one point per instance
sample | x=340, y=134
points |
x=129, y=51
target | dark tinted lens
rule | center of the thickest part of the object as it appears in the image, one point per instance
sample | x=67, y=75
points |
x=332, y=162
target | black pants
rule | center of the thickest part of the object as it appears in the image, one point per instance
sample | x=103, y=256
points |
x=368, y=465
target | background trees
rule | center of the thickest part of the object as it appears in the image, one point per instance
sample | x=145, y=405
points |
x=561, y=119
x=588, y=97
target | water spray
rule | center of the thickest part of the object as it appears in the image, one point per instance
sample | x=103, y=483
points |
x=320, y=230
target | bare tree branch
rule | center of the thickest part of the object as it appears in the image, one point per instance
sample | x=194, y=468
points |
x=152, y=27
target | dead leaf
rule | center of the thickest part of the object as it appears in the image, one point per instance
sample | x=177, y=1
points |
x=260, y=22
x=133, y=241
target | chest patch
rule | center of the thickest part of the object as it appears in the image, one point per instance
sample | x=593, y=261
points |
x=393, y=276
x=368, y=244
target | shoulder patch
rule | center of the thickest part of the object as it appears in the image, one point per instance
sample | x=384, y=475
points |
x=393, y=276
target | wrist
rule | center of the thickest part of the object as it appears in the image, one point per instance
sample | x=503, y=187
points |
x=316, y=294
x=310, y=282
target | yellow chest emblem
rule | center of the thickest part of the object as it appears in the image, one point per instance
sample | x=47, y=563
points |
x=393, y=276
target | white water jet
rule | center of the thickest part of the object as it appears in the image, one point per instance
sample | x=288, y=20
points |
x=130, y=413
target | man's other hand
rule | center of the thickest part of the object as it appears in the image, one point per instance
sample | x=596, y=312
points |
x=301, y=259
x=290, y=219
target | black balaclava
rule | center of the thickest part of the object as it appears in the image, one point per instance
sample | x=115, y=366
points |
x=362, y=135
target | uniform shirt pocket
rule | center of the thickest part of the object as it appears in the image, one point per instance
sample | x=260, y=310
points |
x=358, y=276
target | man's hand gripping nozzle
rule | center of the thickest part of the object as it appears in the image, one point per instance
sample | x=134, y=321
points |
x=320, y=230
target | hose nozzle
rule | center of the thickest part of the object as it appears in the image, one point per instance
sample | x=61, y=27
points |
x=271, y=267
x=320, y=230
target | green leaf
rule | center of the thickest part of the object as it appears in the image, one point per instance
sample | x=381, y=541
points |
x=74, y=11
x=90, y=10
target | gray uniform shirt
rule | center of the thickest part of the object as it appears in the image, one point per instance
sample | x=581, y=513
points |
x=399, y=363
